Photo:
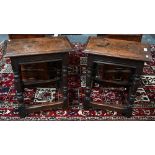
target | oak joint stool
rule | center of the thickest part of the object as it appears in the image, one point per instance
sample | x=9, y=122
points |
x=39, y=50
x=122, y=64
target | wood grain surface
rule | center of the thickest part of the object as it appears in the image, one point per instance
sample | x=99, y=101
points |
x=37, y=46
x=118, y=48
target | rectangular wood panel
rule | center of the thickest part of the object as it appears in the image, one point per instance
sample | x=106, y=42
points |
x=118, y=48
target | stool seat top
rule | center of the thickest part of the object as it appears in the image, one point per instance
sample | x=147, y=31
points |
x=37, y=46
x=118, y=48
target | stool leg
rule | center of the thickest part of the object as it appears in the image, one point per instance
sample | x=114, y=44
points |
x=65, y=83
x=88, y=88
x=19, y=89
x=94, y=72
x=133, y=88
x=135, y=81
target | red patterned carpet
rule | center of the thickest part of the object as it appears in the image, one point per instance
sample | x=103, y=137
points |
x=144, y=106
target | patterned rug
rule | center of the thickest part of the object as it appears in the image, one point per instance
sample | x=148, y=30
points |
x=143, y=109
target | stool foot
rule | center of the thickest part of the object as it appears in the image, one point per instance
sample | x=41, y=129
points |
x=127, y=112
x=22, y=111
x=86, y=107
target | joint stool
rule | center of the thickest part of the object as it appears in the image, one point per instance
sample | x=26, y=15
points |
x=122, y=63
x=39, y=50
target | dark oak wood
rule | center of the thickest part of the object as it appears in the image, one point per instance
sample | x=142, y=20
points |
x=37, y=71
x=24, y=110
x=37, y=46
x=37, y=50
x=46, y=106
x=128, y=37
x=118, y=48
x=123, y=63
x=109, y=106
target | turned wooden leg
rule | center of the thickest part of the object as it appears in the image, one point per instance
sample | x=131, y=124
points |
x=94, y=73
x=64, y=87
x=87, y=99
x=58, y=76
x=19, y=89
x=134, y=83
x=133, y=88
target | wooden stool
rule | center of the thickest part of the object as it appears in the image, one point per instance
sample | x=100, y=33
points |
x=123, y=63
x=39, y=50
